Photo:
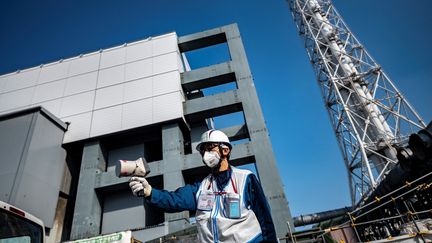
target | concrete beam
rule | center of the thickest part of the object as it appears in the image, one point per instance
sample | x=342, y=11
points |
x=202, y=39
x=212, y=106
x=208, y=77
x=236, y=132
x=262, y=149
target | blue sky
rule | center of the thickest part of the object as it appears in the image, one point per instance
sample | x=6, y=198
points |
x=396, y=33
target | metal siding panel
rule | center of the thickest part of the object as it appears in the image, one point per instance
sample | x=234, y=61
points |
x=22, y=80
x=9, y=111
x=106, y=121
x=138, y=113
x=3, y=81
x=164, y=44
x=13, y=136
x=81, y=83
x=165, y=63
x=49, y=91
x=111, y=76
x=139, y=89
x=79, y=127
x=109, y=96
x=167, y=107
x=166, y=83
x=122, y=211
x=52, y=106
x=113, y=57
x=16, y=99
x=37, y=192
x=84, y=64
x=75, y=104
x=138, y=51
x=53, y=72
x=139, y=69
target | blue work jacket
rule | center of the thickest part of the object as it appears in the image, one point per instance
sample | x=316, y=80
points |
x=184, y=198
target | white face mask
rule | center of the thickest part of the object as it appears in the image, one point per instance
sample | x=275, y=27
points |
x=211, y=158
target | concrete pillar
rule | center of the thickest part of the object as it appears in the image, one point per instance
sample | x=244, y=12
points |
x=173, y=155
x=265, y=161
x=88, y=207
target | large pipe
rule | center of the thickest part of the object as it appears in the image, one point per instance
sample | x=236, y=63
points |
x=414, y=162
x=319, y=217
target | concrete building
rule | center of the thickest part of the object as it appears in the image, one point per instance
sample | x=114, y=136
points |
x=63, y=126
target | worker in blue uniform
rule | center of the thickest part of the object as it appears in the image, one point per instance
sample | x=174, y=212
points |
x=230, y=204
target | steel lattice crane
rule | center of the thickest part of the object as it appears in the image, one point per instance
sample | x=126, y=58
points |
x=370, y=116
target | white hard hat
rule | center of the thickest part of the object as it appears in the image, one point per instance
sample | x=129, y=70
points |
x=213, y=136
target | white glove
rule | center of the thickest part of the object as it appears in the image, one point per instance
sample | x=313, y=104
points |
x=140, y=186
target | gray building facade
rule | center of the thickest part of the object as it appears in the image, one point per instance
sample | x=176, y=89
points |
x=142, y=99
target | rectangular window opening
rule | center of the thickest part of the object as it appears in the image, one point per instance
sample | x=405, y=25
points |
x=208, y=56
x=219, y=89
x=229, y=120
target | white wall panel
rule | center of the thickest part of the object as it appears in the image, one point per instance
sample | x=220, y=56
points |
x=138, y=89
x=81, y=83
x=49, y=91
x=164, y=44
x=111, y=76
x=139, y=69
x=3, y=81
x=52, y=106
x=137, y=113
x=21, y=80
x=109, y=96
x=166, y=83
x=165, y=63
x=19, y=98
x=52, y=72
x=79, y=127
x=168, y=106
x=137, y=51
x=75, y=104
x=113, y=57
x=106, y=121
x=84, y=64
x=119, y=88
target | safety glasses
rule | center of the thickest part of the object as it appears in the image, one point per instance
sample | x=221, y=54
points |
x=208, y=147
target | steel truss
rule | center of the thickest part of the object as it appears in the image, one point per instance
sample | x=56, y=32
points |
x=370, y=116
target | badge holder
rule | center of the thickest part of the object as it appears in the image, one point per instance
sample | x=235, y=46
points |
x=232, y=205
x=206, y=201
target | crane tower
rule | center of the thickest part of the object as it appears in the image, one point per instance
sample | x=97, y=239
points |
x=370, y=116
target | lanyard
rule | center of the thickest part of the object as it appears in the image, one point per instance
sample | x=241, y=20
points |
x=223, y=192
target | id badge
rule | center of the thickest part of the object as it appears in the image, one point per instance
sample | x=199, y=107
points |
x=232, y=205
x=206, y=201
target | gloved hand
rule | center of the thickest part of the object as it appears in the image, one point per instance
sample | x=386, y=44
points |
x=140, y=186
